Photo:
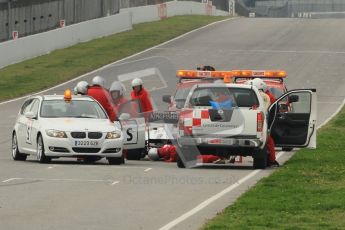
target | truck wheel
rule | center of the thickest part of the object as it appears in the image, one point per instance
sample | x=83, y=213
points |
x=179, y=162
x=134, y=154
x=260, y=159
x=287, y=149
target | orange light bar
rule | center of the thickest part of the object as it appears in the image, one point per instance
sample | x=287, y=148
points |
x=67, y=95
x=190, y=74
x=259, y=73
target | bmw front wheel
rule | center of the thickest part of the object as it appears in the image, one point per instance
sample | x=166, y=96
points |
x=41, y=156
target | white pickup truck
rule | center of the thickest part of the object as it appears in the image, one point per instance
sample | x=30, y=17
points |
x=230, y=120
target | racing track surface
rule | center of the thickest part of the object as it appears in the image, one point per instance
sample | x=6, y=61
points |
x=149, y=195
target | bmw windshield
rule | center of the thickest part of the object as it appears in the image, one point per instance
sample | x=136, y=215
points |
x=74, y=108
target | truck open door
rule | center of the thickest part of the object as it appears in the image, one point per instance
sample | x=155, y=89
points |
x=292, y=119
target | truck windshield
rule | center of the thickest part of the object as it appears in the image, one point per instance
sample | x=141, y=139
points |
x=181, y=96
x=223, y=97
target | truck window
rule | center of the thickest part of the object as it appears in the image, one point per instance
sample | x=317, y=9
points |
x=237, y=97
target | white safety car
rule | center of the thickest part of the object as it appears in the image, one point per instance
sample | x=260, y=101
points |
x=56, y=126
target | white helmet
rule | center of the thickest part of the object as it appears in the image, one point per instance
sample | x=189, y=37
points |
x=260, y=84
x=75, y=91
x=98, y=80
x=153, y=154
x=137, y=82
x=81, y=87
x=118, y=86
x=249, y=82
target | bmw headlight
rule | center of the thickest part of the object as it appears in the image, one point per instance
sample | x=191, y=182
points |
x=113, y=135
x=56, y=133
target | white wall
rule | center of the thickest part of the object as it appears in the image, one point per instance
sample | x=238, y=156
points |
x=186, y=8
x=143, y=13
x=21, y=49
x=150, y=13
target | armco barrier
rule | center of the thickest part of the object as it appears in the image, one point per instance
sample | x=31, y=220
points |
x=39, y=44
x=43, y=43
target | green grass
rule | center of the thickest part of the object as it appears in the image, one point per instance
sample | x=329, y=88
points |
x=61, y=65
x=308, y=192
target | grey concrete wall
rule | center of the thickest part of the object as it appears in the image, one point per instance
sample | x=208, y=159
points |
x=35, y=16
x=173, y=8
x=143, y=13
x=39, y=44
x=43, y=43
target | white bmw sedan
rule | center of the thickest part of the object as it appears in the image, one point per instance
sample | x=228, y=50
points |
x=59, y=126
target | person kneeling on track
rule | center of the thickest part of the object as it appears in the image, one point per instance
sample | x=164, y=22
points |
x=167, y=153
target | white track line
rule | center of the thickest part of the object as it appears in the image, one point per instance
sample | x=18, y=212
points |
x=66, y=180
x=126, y=58
x=148, y=169
x=11, y=179
x=209, y=201
x=115, y=182
x=333, y=115
x=262, y=51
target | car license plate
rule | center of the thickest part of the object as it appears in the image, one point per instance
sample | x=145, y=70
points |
x=221, y=141
x=86, y=143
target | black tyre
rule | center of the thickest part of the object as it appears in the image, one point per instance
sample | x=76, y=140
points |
x=134, y=154
x=179, y=162
x=115, y=160
x=287, y=149
x=41, y=156
x=260, y=159
x=91, y=159
x=16, y=155
x=186, y=157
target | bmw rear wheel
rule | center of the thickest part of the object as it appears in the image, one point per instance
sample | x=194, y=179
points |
x=179, y=162
x=16, y=155
x=41, y=156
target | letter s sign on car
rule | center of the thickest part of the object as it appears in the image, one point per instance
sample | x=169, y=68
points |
x=130, y=131
x=129, y=134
